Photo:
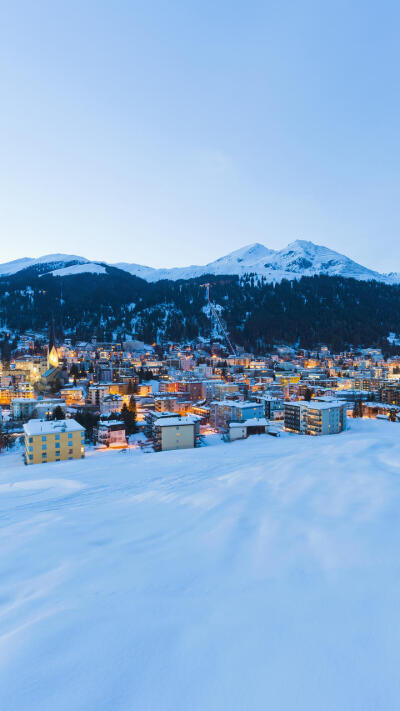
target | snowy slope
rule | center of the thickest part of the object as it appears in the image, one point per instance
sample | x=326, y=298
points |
x=242, y=577
x=86, y=268
x=59, y=260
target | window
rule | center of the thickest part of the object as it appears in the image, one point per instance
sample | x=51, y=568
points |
x=44, y=438
x=44, y=446
x=57, y=437
x=70, y=451
x=30, y=456
x=30, y=449
x=30, y=440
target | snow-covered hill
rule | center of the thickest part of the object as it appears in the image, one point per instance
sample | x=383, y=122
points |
x=85, y=268
x=53, y=261
x=256, y=575
x=299, y=258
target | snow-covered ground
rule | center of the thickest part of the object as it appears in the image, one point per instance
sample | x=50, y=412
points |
x=262, y=574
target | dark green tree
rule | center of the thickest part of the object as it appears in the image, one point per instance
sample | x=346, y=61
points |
x=128, y=417
x=58, y=413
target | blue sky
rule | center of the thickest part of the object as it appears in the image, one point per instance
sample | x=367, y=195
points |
x=169, y=133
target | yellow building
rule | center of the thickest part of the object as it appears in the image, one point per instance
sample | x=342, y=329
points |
x=53, y=441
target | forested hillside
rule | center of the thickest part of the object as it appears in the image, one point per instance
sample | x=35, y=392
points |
x=312, y=310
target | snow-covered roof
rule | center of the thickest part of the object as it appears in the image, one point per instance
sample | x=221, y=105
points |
x=324, y=405
x=38, y=427
x=111, y=423
x=175, y=421
x=253, y=422
x=236, y=403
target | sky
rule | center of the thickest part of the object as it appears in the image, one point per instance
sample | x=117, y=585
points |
x=170, y=132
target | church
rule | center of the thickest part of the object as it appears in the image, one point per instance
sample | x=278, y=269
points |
x=56, y=375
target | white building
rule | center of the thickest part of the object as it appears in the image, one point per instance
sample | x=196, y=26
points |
x=315, y=418
x=111, y=433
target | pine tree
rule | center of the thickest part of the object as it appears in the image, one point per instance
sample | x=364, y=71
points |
x=358, y=408
x=128, y=416
x=58, y=413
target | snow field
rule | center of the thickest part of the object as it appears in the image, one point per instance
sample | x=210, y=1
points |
x=261, y=574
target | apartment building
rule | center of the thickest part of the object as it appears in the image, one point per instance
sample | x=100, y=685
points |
x=174, y=433
x=315, y=418
x=53, y=441
x=226, y=411
x=24, y=409
x=111, y=433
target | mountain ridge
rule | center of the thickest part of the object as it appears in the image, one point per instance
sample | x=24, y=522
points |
x=299, y=258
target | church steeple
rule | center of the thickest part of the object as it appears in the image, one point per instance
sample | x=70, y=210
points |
x=52, y=355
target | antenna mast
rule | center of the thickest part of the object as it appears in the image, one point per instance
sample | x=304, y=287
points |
x=214, y=312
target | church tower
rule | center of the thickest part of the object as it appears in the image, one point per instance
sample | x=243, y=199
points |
x=52, y=355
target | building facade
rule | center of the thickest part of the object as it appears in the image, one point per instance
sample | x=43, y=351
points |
x=53, y=441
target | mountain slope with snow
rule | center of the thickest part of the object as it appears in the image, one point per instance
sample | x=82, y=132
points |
x=57, y=261
x=299, y=258
x=85, y=268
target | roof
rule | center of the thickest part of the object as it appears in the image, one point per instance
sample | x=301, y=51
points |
x=175, y=421
x=237, y=403
x=325, y=405
x=49, y=372
x=38, y=427
x=253, y=422
x=111, y=423
x=52, y=336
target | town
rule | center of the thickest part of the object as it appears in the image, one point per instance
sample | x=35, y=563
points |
x=58, y=397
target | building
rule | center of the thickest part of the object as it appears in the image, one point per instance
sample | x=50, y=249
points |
x=151, y=416
x=111, y=403
x=96, y=393
x=228, y=411
x=73, y=395
x=52, y=353
x=53, y=441
x=241, y=430
x=315, y=418
x=174, y=433
x=25, y=409
x=323, y=418
x=111, y=433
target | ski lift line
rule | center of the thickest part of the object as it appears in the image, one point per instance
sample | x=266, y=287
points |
x=217, y=318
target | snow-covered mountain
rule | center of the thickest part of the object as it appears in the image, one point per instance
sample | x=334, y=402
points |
x=53, y=261
x=299, y=258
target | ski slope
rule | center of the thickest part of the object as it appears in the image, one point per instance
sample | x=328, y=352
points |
x=262, y=574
